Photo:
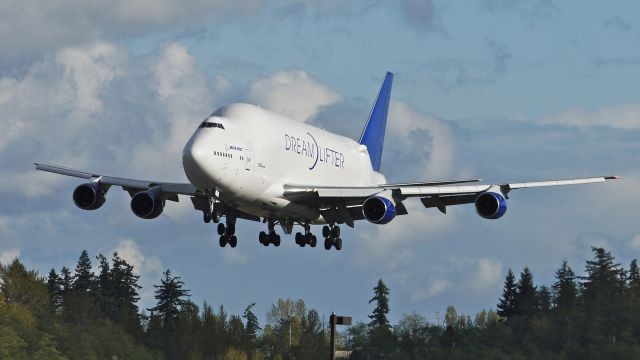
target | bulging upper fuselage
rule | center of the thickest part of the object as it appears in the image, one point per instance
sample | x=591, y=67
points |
x=247, y=154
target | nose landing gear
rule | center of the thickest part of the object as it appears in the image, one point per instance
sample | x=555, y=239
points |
x=331, y=236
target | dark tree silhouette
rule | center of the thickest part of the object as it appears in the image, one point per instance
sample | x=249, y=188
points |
x=506, y=304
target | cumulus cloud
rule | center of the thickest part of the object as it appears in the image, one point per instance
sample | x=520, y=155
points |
x=635, y=243
x=488, y=274
x=149, y=268
x=32, y=27
x=97, y=108
x=6, y=256
x=293, y=93
x=434, y=287
x=626, y=116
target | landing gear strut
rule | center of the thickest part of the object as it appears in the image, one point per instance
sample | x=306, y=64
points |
x=227, y=233
x=270, y=238
x=332, y=237
x=308, y=238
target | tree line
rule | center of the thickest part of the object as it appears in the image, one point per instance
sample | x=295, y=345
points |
x=82, y=315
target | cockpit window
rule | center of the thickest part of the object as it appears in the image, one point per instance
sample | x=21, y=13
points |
x=211, y=125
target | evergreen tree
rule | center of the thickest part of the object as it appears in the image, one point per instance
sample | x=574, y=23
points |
x=125, y=295
x=565, y=289
x=381, y=299
x=525, y=302
x=104, y=291
x=252, y=326
x=544, y=299
x=83, y=278
x=55, y=290
x=170, y=296
x=604, y=287
x=506, y=304
x=634, y=283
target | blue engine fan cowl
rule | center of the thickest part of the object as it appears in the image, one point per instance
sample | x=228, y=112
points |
x=379, y=210
x=490, y=205
x=89, y=196
x=147, y=204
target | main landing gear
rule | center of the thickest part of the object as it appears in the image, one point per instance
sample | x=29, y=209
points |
x=331, y=236
x=227, y=233
x=270, y=238
x=307, y=239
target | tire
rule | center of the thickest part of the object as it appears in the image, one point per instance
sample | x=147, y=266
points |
x=335, y=232
x=262, y=237
x=223, y=241
x=314, y=241
x=206, y=218
x=233, y=241
x=221, y=229
x=298, y=238
x=327, y=244
x=231, y=230
x=326, y=231
x=338, y=244
x=215, y=217
x=276, y=240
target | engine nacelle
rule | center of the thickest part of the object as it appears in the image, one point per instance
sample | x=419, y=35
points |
x=379, y=209
x=491, y=205
x=89, y=196
x=147, y=204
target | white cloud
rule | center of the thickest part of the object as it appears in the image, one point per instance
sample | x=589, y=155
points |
x=434, y=287
x=44, y=26
x=149, y=268
x=294, y=94
x=234, y=257
x=635, y=243
x=403, y=120
x=626, y=116
x=487, y=274
x=6, y=256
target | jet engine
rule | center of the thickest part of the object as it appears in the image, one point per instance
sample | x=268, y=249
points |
x=89, y=196
x=379, y=209
x=491, y=205
x=148, y=204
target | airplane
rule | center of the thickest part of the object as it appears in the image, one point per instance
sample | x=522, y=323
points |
x=245, y=162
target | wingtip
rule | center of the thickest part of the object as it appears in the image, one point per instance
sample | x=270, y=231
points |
x=612, y=177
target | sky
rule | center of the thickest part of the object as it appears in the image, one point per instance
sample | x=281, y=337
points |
x=502, y=90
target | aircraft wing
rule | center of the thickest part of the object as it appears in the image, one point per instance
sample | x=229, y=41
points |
x=130, y=185
x=437, y=194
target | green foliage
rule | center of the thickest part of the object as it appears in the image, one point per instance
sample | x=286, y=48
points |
x=84, y=316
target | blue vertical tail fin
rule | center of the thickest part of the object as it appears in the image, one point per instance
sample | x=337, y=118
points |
x=373, y=134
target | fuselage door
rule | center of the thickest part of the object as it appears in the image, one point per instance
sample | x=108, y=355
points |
x=247, y=159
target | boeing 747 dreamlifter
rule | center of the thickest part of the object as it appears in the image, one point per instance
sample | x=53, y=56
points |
x=245, y=162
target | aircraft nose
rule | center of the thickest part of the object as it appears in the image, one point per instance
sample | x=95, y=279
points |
x=193, y=157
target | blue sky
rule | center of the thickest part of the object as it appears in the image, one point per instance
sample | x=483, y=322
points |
x=503, y=90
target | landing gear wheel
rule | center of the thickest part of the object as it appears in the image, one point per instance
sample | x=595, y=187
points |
x=327, y=244
x=206, y=218
x=314, y=241
x=223, y=241
x=275, y=239
x=215, y=217
x=326, y=231
x=338, y=244
x=233, y=241
x=231, y=229
x=221, y=229
x=262, y=237
x=335, y=232
x=299, y=238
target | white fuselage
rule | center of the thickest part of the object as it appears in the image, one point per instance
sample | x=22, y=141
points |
x=247, y=154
